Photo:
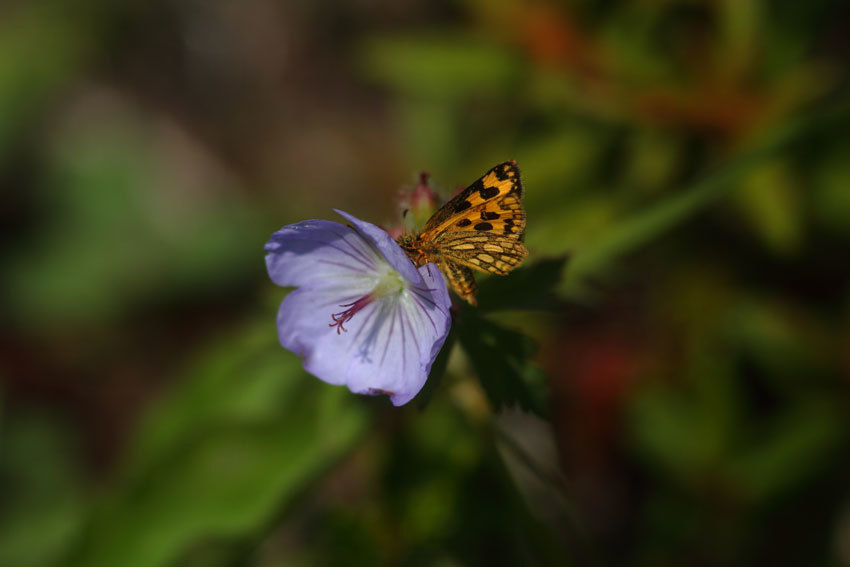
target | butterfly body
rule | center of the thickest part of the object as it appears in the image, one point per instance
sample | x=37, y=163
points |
x=481, y=228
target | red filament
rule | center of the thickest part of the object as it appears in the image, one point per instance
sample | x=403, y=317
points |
x=345, y=316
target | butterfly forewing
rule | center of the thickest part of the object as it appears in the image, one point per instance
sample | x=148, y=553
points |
x=497, y=192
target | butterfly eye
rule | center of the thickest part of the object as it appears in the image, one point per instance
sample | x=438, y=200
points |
x=404, y=213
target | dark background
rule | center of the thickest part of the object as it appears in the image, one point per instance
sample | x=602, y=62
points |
x=691, y=158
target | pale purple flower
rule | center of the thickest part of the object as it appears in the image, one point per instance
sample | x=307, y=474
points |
x=363, y=315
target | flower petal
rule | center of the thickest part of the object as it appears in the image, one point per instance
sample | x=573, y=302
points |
x=389, y=345
x=320, y=253
x=386, y=245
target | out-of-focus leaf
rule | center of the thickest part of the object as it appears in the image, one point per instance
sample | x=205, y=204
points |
x=633, y=42
x=642, y=228
x=685, y=433
x=831, y=199
x=216, y=461
x=445, y=497
x=430, y=127
x=438, y=371
x=529, y=287
x=795, y=447
x=740, y=23
x=633, y=233
x=789, y=350
x=442, y=66
x=124, y=226
x=241, y=379
x=435, y=74
x=559, y=164
x=528, y=447
x=555, y=231
x=500, y=358
x=653, y=157
x=768, y=198
x=56, y=44
x=41, y=492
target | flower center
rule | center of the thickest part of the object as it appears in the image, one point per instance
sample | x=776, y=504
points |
x=390, y=284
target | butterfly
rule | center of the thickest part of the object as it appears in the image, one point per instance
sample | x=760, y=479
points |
x=481, y=228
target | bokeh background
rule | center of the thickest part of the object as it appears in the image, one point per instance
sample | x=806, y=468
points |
x=678, y=347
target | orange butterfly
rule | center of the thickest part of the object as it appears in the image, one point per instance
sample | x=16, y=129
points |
x=479, y=229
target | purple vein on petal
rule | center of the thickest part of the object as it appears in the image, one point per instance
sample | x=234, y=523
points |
x=425, y=312
x=343, y=265
x=363, y=325
x=412, y=331
x=390, y=334
x=361, y=259
x=343, y=236
x=418, y=293
x=353, y=230
x=357, y=251
x=375, y=331
x=400, y=313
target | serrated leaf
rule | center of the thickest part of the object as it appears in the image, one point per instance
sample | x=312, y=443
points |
x=530, y=287
x=501, y=359
x=438, y=371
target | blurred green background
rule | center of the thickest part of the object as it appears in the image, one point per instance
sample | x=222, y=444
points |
x=678, y=391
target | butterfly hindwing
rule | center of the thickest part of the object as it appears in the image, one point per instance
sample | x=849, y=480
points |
x=492, y=253
x=461, y=279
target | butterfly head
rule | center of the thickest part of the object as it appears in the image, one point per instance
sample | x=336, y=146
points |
x=411, y=245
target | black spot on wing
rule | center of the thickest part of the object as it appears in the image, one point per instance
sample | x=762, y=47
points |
x=464, y=222
x=462, y=206
x=489, y=215
x=504, y=171
x=508, y=171
x=483, y=226
x=488, y=192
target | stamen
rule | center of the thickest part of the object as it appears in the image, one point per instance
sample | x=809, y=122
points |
x=345, y=316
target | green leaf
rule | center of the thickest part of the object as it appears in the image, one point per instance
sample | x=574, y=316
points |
x=56, y=43
x=770, y=199
x=243, y=435
x=646, y=226
x=794, y=448
x=830, y=197
x=438, y=371
x=530, y=287
x=686, y=429
x=42, y=492
x=441, y=66
x=500, y=358
x=122, y=228
x=208, y=395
